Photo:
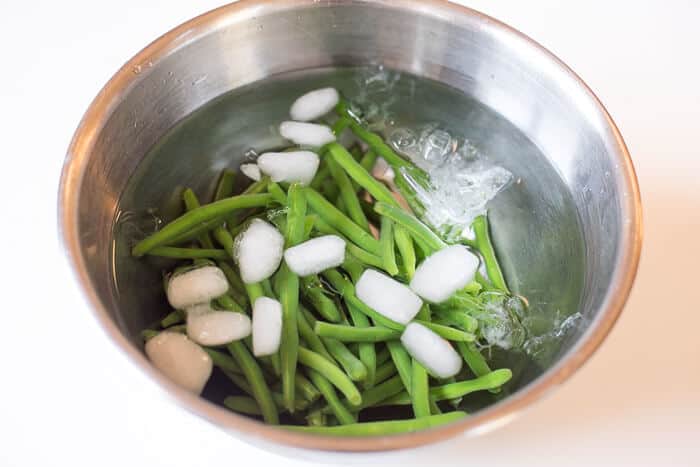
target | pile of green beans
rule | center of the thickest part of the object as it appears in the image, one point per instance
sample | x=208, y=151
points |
x=340, y=363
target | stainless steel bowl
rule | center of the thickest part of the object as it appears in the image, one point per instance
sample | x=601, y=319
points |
x=533, y=113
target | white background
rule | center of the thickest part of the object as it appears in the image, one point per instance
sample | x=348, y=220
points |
x=69, y=398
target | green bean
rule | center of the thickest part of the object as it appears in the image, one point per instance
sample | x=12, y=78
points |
x=196, y=216
x=419, y=391
x=359, y=174
x=277, y=192
x=237, y=289
x=309, y=222
x=381, y=428
x=187, y=253
x=147, y=334
x=321, y=175
x=347, y=290
x=338, y=352
x=457, y=318
x=385, y=371
x=492, y=380
x=224, y=187
x=403, y=364
x=485, y=247
x=383, y=356
x=307, y=333
x=316, y=417
x=473, y=288
x=368, y=160
x=307, y=390
x=382, y=391
x=447, y=332
x=386, y=240
x=368, y=209
x=254, y=292
x=314, y=293
x=356, y=152
x=347, y=194
x=354, y=368
x=289, y=294
x=329, y=189
x=332, y=373
x=483, y=281
x=374, y=141
x=475, y=361
x=223, y=361
x=195, y=232
x=353, y=267
x=182, y=328
x=408, y=254
x=340, y=411
x=222, y=236
x=289, y=298
x=192, y=203
x=364, y=257
x=340, y=125
x=228, y=303
x=252, y=372
x=172, y=318
x=242, y=404
x=267, y=288
x=419, y=231
x=243, y=385
x=367, y=353
x=341, y=222
x=235, y=219
x=356, y=334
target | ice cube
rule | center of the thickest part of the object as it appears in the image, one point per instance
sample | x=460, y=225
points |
x=431, y=351
x=258, y=251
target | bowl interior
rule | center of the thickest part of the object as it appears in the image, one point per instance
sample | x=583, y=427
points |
x=196, y=100
x=534, y=220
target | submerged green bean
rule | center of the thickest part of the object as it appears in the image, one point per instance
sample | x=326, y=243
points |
x=314, y=292
x=197, y=216
x=381, y=428
x=367, y=352
x=446, y=332
x=224, y=188
x=243, y=404
x=252, y=372
x=420, y=400
x=347, y=194
x=172, y=318
x=332, y=373
x=386, y=240
x=385, y=371
x=191, y=203
x=289, y=294
x=403, y=364
x=341, y=222
x=346, y=333
x=492, y=380
x=340, y=411
x=363, y=178
x=188, y=253
x=419, y=231
x=223, y=361
x=485, y=247
x=407, y=253
x=474, y=360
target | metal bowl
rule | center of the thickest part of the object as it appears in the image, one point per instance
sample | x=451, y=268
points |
x=571, y=231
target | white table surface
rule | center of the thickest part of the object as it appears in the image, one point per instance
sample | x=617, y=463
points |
x=71, y=399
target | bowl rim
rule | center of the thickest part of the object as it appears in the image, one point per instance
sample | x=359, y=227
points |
x=252, y=430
